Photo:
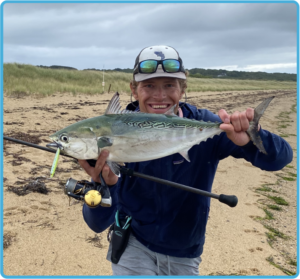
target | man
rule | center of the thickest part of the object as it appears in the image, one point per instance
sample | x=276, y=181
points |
x=168, y=224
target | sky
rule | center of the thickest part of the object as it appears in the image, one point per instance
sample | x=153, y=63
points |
x=230, y=36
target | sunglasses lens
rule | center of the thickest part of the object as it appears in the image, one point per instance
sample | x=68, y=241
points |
x=148, y=66
x=171, y=66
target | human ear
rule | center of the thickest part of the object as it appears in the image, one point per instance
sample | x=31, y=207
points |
x=133, y=91
x=181, y=95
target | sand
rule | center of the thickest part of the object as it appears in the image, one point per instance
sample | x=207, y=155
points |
x=45, y=234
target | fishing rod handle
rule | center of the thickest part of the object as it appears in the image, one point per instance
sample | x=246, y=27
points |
x=229, y=200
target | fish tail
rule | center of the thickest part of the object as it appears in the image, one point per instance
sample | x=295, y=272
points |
x=253, y=128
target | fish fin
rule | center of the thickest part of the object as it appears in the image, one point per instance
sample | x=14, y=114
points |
x=114, y=167
x=185, y=155
x=114, y=106
x=104, y=141
x=253, y=128
x=171, y=110
x=260, y=109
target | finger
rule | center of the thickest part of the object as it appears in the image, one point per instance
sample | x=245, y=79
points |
x=235, y=121
x=244, y=121
x=250, y=114
x=228, y=128
x=85, y=165
x=109, y=177
x=89, y=170
x=106, y=172
x=225, y=117
x=101, y=161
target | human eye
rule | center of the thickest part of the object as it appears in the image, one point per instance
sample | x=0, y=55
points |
x=169, y=85
x=148, y=85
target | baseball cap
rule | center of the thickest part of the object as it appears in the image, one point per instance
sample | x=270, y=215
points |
x=158, y=53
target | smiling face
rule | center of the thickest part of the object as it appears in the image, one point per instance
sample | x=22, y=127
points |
x=157, y=95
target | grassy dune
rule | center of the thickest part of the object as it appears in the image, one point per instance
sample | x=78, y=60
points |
x=21, y=79
x=219, y=84
x=35, y=80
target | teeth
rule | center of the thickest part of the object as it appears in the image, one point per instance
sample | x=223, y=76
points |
x=159, y=106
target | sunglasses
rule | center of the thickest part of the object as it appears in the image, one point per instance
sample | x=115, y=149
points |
x=150, y=66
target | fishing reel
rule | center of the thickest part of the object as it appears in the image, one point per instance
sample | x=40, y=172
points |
x=92, y=193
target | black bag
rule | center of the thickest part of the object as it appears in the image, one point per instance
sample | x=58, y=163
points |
x=119, y=239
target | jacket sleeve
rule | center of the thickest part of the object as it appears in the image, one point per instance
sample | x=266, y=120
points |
x=100, y=218
x=279, y=152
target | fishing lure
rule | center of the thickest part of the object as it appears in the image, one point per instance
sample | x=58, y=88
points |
x=54, y=165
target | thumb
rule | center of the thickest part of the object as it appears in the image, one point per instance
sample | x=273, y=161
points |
x=228, y=128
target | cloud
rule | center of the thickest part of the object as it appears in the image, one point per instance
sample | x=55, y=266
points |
x=88, y=35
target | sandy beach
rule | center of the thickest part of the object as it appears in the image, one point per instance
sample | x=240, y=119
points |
x=45, y=234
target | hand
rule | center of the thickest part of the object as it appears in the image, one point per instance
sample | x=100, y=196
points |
x=236, y=125
x=109, y=177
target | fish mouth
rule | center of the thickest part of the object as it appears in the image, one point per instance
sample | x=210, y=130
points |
x=55, y=145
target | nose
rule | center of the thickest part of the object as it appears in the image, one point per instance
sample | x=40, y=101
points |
x=159, y=94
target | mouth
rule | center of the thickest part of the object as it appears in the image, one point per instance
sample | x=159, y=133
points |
x=158, y=108
x=55, y=145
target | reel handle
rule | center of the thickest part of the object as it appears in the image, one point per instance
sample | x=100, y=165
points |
x=92, y=198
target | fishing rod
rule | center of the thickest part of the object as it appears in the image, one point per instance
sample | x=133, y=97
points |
x=230, y=200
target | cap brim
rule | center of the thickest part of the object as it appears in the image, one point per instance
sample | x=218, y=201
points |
x=140, y=77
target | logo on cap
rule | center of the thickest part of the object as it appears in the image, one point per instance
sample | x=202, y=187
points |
x=160, y=54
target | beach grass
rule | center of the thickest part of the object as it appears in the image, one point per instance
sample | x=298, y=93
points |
x=42, y=81
x=29, y=79
x=286, y=271
x=215, y=84
x=278, y=200
x=274, y=207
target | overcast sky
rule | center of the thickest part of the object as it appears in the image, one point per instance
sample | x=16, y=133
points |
x=231, y=36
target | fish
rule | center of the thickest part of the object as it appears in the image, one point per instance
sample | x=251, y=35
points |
x=136, y=136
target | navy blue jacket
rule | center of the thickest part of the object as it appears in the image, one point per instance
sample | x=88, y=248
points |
x=172, y=221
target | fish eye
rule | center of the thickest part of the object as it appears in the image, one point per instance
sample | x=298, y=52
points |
x=64, y=138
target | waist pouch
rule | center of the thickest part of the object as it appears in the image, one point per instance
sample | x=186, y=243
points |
x=119, y=238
